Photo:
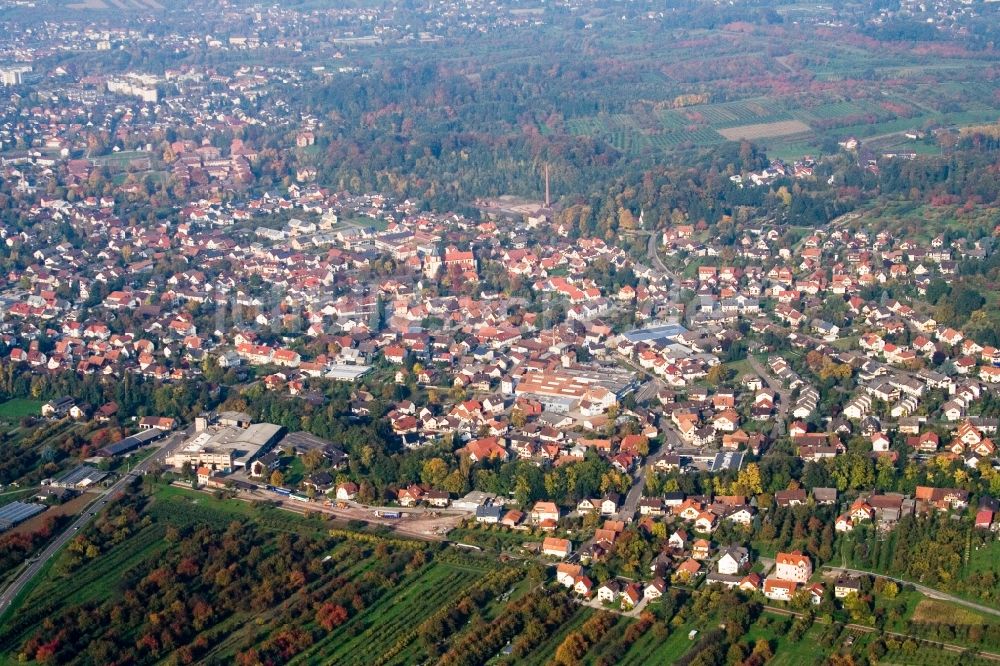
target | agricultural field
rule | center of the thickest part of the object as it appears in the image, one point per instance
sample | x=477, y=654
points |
x=16, y=409
x=795, y=120
x=764, y=130
x=985, y=558
x=39, y=451
x=382, y=589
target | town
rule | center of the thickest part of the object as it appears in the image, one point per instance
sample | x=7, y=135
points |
x=715, y=408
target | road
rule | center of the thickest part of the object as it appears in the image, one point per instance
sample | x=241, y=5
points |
x=671, y=440
x=784, y=395
x=948, y=647
x=654, y=258
x=924, y=590
x=35, y=565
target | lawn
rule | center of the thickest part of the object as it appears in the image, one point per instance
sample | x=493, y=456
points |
x=17, y=408
x=492, y=538
x=984, y=558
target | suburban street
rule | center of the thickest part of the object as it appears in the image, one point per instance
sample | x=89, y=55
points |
x=654, y=257
x=784, y=395
x=628, y=508
x=35, y=565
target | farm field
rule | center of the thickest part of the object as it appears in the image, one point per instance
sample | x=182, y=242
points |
x=790, y=126
x=396, y=584
x=543, y=652
x=764, y=130
x=18, y=408
x=984, y=558
x=70, y=508
x=651, y=650
x=394, y=593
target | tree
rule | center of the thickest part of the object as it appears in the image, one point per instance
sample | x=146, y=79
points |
x=522, y=490
x=312, y=459
x=966, y=301
x=434, y=472
x=720, y=374
x=936, y=289
x=749, y=482
x=330, y=616
x=277, y=478
x=762, y=648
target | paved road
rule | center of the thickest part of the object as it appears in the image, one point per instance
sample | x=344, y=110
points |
x=923, y=589
x=35, y=565
x=654, y=257
x=671, y=440
x=784, y=396
x=648, y=391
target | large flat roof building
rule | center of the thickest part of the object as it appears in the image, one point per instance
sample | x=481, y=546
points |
x=228, y=447
x=564, y=389
x=16, y=513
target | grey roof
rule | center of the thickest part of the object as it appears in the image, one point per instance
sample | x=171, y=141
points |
x=132, y=442
x=825, y=494
x=81, y=474
x=662, y=332
x=17, y=512
x=727, y=460
x=304, y=441
x=489, y=511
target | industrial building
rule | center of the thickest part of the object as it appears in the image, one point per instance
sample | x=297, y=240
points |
x=131, y=443
x=15, y=513
x=590, y=390
x=83, y=476
x=226, y=448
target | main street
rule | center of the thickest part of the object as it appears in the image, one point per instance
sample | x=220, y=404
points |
x=39, y=561
x=654, y=258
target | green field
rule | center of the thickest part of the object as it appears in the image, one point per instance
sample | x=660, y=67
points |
x=394, y=615
x=17, y=408
x=826, y=115
x=984, y=558
x=654, y=651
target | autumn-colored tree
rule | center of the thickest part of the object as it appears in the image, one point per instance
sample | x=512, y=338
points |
x=434, y=472
x=330, y=616
x=719, y=374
